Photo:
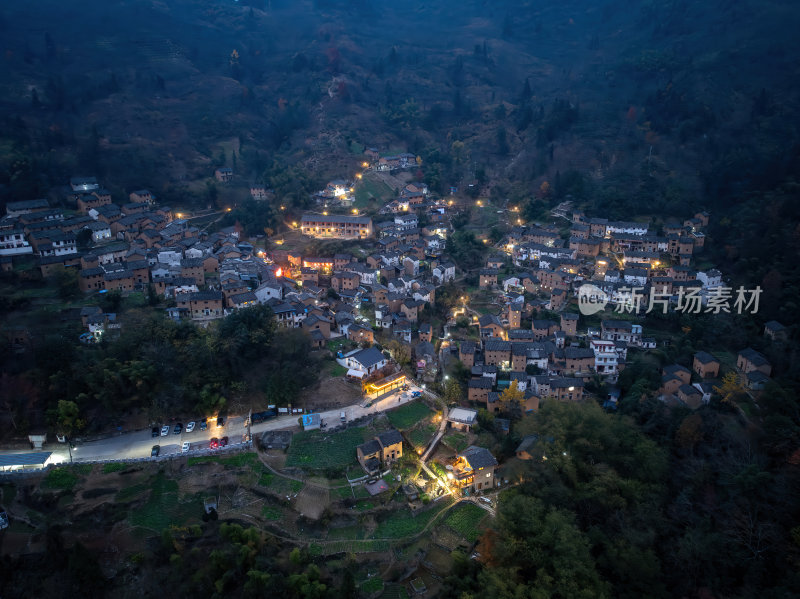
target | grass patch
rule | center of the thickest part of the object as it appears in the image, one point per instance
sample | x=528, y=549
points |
x=341, y=493
x=363, y=506
x=270, y=512
x=345, y=533
x=61, y=478
x=128, y=493
x=408, y=415
x=9, y=493
x=318, y=450
x=114, y=467
x=457, y=441
x=373, y=585
x=83, y=469
x=465, y=519
x=334, y=369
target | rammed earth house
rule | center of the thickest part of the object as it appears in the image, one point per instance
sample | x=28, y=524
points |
x=337, y=226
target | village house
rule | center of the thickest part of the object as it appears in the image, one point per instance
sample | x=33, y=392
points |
x=462, y=419
x=425, y=332
x=478, y=389
x=366, y=361
x=490, y=326
x=474, y=469
x=514, y=315
x=223, y=174
x=705, y=365
x=542, y=329
x=606, y=357
x=336, y=226
x=444, y=272
x=578, y=360
x=621, y=330
x=201, y=305
x=497, y=353
x=690, y=396
x=775, y=331
x=526, y=446
x=360, y=334
x=466, y=353
x=566, y=389
x=749, y=360
x=488, y=277
x=673, y=376
x=569, y=324
x=380, y=451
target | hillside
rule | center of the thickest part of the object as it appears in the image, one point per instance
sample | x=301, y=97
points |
x=146, y=93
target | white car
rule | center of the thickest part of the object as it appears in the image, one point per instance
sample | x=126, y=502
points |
x=164, y=430
x=485, y=500
x=185, y=446
x=190, y=427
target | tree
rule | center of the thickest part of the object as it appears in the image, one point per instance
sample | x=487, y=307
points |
x=731, y=388
x=67, y=417
x=512, y=394
x=452, y=391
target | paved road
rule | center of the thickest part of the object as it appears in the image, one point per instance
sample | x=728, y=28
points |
x=138, y=444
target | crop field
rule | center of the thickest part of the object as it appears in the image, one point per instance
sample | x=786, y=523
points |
x=234, y=461
x=318, y=450
x=164, y=506
x=279, y=484
x=421, y=436
x=402, y=523
x=457, y=441
x=395, y=591
x=270, y=512
x=465, y=520
x=348, y=547
x=408, y=415
x=372, y=585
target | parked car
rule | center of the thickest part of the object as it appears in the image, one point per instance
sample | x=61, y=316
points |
x=190, y=427
x=223, y=442
x=220, y=421
x=154, y=451
x=203, y=424
x=178, y=428
x=485, y=500
x=185, y=446
x=165, y=430
x=154, y=432
x=416, y=394
x=214, y=443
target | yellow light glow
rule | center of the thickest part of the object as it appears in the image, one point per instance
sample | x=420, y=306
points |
x=283, y=207
x=355, y=211
x=325, y=213
x=229, y=209
x=294, y=224
x=358, y=175
x=365, y=164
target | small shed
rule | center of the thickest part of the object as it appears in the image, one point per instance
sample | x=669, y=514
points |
x=38, y=438
x=22, y=461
